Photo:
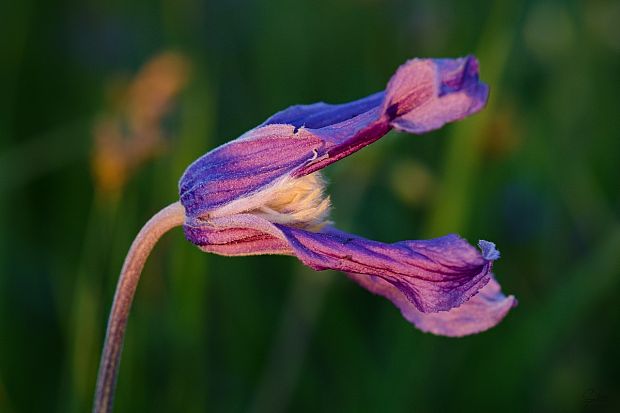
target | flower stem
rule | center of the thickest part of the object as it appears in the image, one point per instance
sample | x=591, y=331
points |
x=166, y=219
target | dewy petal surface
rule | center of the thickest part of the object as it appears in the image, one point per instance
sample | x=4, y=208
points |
x=423, y=95
x=481, y=312
x=433, y=275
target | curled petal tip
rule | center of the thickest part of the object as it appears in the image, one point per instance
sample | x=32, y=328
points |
x=425, y=94
x=489, y=252
x=481, y=312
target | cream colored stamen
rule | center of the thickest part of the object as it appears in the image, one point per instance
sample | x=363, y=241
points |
x=299, y=202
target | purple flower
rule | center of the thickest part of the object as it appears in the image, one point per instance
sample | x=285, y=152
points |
x=262, y=194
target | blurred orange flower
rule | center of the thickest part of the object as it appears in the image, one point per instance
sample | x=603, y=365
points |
x=134, y=134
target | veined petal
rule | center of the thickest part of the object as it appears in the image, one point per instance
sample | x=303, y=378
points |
x=434, y=275
x=236, y=235
x=454, y=88
x=245, y=166
x=481, y=312
x=423, y=95
x=319, y=115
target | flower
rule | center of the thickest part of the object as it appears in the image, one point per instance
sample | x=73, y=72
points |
x=263, y=194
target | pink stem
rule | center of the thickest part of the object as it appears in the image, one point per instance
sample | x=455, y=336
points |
x=166, y=219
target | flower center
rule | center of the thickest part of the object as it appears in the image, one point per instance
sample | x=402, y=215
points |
x=298, y=202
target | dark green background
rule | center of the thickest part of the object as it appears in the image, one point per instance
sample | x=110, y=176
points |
x=536, y=172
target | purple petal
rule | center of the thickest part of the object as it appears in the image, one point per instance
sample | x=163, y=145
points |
x=320, y=115
x=237, y=235
x=244, y=166
x=423, y=95
x=489, y=252
x=481, y=312
x=434, y=275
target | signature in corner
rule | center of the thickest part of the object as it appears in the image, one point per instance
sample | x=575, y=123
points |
x=592, y=397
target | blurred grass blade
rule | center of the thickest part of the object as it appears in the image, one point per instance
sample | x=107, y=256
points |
x=463, y=153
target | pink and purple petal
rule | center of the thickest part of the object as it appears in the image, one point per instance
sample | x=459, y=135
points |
x=319, y=115
x=454, y=88
x=236, y=235
x=244, y=166
x=481, y=312
x=433, y=275
x=423, y=95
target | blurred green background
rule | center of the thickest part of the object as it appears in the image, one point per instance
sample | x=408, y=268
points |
x=102, y=106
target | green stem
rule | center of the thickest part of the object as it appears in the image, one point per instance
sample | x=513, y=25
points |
x=166, y=219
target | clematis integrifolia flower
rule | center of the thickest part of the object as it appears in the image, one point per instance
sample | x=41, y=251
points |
x=263, y=194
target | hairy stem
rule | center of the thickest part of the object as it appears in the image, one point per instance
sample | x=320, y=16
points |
x=166, y=219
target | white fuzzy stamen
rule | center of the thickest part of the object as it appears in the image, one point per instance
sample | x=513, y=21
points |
x=297, y=202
